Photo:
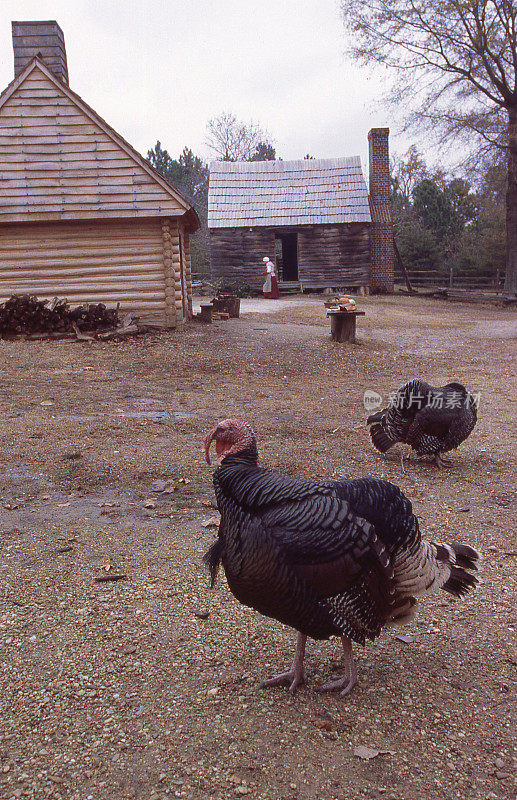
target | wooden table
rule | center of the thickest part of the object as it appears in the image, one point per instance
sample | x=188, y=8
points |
x=342, y=324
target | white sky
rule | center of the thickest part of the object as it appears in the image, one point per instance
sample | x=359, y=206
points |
x=159, y=69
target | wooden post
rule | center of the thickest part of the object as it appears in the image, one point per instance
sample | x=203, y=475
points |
x=342, y=328
x=170, y=306
x=402, y=267
x=343, y=324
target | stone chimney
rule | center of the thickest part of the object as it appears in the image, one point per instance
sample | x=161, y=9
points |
x=44, y=39
x=382, y=225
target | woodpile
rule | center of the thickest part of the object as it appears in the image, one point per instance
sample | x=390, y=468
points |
x=26, y=316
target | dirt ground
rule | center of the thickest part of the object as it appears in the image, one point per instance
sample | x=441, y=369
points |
x=148, y=687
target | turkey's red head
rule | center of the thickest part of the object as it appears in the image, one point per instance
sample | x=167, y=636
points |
x=230, y=436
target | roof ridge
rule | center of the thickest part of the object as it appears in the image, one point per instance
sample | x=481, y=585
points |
x=281, y=165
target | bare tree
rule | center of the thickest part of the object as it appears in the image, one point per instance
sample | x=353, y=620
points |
x=408, y=169
x=457, y=66
x=232, y=140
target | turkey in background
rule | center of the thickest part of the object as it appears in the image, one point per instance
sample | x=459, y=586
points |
x=327, y=558
x=432, y=419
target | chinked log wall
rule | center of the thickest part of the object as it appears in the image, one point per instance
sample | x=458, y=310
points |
x=236, y=254
x=135, y=263
x=332, y=255
x=335, y=255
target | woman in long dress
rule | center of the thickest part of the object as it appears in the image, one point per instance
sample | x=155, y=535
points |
x=270, y=287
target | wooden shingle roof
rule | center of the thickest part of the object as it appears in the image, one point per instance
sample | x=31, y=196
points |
x=276, y=193
x=59, y=160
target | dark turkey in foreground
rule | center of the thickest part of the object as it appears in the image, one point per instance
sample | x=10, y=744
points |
x=432, y=419
x=327, y=558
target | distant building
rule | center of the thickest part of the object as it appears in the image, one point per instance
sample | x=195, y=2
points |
x=82, y=214
x=313, y=218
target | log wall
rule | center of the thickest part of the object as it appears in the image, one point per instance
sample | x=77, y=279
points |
x=132, y=262
x=332, y=255
x=336, y=255
x=237, y=253
x=187, y=274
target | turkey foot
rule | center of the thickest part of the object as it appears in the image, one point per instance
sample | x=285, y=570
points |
x=442, y=462
x=349, y=680
x=291, y=679
x=296, y=674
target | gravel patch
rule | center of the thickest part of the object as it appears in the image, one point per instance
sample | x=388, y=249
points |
x=147, y=686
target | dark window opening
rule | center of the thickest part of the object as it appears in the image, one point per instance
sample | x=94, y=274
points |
x=286, y=253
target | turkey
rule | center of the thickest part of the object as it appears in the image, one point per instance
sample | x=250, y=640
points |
x=432, y=419
x=327, y=558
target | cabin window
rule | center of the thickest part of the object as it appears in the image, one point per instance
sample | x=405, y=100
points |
x=286, y=253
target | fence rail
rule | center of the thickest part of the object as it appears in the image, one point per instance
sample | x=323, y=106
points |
x=429, y=278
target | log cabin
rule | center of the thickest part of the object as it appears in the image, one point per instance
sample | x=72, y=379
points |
x=313, y=218
x=82, y=214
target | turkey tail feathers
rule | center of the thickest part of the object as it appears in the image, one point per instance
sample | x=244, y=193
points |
x=466, y=556
x=380, y=439
x=212, y=559
x=460, y=581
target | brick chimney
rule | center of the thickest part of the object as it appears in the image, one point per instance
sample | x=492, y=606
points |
x=382, y=225
x=40, y=38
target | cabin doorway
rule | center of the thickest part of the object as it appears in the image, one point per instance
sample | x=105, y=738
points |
x=286, y=252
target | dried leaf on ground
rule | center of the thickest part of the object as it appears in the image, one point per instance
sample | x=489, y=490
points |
x=323, y=720
x=366, y=753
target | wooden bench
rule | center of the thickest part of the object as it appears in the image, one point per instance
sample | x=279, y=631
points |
x=342, y=324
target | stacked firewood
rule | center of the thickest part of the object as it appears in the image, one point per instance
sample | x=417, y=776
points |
x=24, y=314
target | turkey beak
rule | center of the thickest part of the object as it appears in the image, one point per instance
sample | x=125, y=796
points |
x=208, y=441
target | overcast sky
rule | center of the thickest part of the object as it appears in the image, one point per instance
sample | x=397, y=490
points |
x=159, y=69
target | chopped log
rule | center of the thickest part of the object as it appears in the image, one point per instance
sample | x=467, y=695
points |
x=206, y=313
x=82, y=337
x=117, y=333
x=25, y=314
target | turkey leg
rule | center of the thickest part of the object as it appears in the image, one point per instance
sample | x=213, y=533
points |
x=349, y=680
x=442, y=462
x=296, y=674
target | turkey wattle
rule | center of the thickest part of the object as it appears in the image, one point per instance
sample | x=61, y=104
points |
x=327, y=558
x=432, y=419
